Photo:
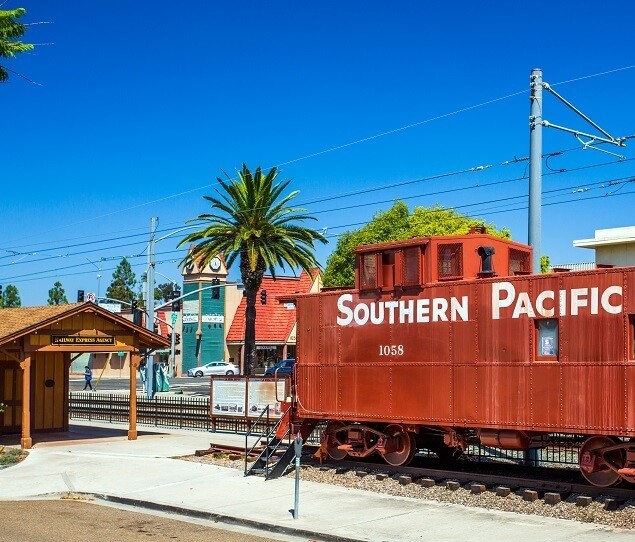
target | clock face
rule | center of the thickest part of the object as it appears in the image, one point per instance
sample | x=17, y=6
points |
x=215, y=263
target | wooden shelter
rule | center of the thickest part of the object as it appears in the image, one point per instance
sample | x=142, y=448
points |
x=37, y=345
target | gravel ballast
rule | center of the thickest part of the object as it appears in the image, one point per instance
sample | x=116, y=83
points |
x=514, y=501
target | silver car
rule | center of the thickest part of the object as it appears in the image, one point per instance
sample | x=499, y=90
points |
x=215, y=368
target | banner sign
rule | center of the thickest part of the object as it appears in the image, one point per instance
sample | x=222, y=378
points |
x=82, y=340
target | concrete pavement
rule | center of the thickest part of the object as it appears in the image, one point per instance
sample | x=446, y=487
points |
x=97, y=459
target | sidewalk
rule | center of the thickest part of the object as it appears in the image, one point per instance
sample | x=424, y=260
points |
x=97, y=459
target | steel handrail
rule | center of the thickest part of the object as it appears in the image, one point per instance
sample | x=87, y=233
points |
x=249, y=432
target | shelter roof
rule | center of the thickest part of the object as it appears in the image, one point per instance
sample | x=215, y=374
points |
x=16, y=322
x=274, y=320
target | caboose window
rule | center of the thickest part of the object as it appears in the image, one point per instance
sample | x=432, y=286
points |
x=547, y=338
x=368, y=271
x=450, y=261
x=411, y=263
x=518, y=261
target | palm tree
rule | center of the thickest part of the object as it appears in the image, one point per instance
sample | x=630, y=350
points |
x=10, y=31
x=256, y=224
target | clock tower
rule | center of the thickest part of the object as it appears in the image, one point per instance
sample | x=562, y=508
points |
x=203, y=334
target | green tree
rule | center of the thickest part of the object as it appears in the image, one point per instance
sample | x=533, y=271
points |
x=396, y=224
x=253, y=221
x=11, y=297
x=165, y=291
x=123, y=282
x=158, y=292
x=57, y=295
x=10, y=31
x=545, y=264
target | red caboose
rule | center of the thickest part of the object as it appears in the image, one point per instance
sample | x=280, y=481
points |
x=447, y=339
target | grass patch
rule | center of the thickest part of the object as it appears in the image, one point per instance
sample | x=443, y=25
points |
x=11, y=456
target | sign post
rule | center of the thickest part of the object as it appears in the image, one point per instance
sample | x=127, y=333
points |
x=297, y=445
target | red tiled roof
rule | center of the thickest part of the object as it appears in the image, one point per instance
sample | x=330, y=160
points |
x=274, y=320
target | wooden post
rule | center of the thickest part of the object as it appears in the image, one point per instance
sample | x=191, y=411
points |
x=135, y=361
x=26, y=442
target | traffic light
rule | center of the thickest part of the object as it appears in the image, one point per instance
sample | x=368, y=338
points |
x=216, y=290
x=176, y=306
x=177, y=338
x=80, y=296
x=263, y=297
x=136, y=313
x=156, y=327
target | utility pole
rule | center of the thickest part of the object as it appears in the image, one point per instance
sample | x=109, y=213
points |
x=535, y=165
x=150, y=306
x=536, y=123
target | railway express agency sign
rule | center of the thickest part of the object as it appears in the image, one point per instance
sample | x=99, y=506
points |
x=506, y=302
x=82, y=339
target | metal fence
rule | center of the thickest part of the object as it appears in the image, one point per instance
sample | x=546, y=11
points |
x=175, y=411
x=190, y=412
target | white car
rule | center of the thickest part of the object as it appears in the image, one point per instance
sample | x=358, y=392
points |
x=215, y=368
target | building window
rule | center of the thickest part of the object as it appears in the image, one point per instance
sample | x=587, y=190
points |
x=518, y=262
x=547, y=339
x=411, y=264
x=450, y=261
x=368, y=271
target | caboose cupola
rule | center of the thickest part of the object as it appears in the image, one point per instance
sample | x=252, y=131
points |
x=415, y=263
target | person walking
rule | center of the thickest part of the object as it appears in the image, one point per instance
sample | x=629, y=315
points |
x=88, y=376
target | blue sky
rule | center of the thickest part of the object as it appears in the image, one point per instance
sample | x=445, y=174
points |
x=141, y=105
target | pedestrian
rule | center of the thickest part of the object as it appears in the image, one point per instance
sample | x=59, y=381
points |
x=88, y=376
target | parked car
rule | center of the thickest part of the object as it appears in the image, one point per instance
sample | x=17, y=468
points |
x=215, y=368
x=284, y=368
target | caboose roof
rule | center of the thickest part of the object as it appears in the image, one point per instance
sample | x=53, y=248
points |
x=419, y=241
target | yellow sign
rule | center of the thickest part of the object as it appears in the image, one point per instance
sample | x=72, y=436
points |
x=81, y=339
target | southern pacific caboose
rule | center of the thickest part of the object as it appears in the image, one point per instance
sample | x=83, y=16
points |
x=445, y=340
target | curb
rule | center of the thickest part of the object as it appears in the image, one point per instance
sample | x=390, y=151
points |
x=212, y=516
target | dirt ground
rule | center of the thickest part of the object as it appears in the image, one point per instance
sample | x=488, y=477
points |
x=81, y=521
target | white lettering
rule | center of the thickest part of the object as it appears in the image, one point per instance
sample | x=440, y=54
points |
x=578, y=299
x=361, y=313
x=540, y=303
x=406, y=311
x=523, y=306
x=423, y=310
x=391, y=306
x=377, y=312
x=562, y=296
x=439, y=309
x=497, y=301
x=341, y=306
x=606, y=299
x=594, y=300
x=459, y=309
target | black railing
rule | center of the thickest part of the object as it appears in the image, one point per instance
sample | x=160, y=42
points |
x=189, y=412
x=177, y=411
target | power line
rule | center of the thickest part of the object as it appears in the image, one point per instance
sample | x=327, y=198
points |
x=345, y=145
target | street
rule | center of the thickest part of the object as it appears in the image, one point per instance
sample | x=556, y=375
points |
x=77, y=521
x=188, y=385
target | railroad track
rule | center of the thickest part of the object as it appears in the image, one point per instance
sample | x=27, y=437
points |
x=562, y=481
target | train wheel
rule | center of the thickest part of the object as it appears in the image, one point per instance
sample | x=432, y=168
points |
x=405, y=449
x=333, y=441
x=602, y=476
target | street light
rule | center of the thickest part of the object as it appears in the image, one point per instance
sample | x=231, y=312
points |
x=98, y=276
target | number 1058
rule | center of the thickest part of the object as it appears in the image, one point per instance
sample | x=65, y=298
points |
x=391, y=349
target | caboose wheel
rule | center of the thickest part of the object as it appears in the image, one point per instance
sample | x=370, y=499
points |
x=594, y=465
x=333, y=441
x=406, y=447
